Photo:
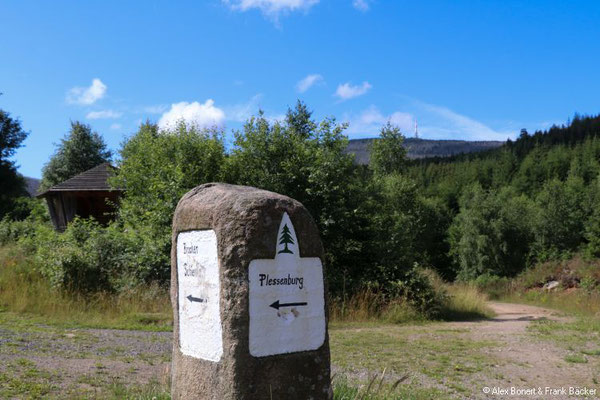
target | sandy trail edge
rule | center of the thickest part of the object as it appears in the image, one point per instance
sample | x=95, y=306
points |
x=525, y=360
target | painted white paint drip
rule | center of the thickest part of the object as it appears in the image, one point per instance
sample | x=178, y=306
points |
x=200, y=331
x=286, y=296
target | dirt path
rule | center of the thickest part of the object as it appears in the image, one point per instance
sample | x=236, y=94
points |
x=522, y=347
x=534, y=358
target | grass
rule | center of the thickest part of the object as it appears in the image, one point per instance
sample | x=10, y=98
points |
x=578, y=292
x=367, y=334
x=573, y=302
x=576, y=359
x=370, y=306
x=24, y=290
x=435, y=355
x=465, y=302
x=577, y=337
x=376, y=388
x=457, y=302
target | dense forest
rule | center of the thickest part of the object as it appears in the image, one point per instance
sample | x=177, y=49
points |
x=532, y=199
x=493, y=213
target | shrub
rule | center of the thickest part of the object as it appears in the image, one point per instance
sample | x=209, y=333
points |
x=156, y=169
x=419, y=289
x=307, y=161
x=559, y=223
x=491, y=234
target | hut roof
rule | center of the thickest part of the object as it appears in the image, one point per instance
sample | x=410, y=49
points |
x=95, y=179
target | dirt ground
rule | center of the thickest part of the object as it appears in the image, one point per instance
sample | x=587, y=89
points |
x=528, y=360
x=38, y=361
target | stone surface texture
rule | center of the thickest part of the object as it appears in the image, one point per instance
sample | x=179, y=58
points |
x=246, y=222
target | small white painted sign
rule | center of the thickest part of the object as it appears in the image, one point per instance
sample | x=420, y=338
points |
x=287, y=303
x=200, y=331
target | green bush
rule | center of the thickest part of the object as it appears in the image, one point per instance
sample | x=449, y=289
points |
x=559, y=223
x=418, y=288
x=156, y=169
x=307, y=161
x=493, y=285
x=11, y=231
x=492, y=233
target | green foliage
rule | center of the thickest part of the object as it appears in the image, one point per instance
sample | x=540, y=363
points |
x=476, y=217
x=559, y=224
x=12, y=186
x=81, y=149
x=418, y=289
x=492, y=233
x=306, y=161
x=156, y=169
x=406, y=228
x=388, y=154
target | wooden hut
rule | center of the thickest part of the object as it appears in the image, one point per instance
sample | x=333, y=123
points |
x=85, y=195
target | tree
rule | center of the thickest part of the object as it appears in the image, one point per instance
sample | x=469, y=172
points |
x=561, y=217
x=306, y=160
x=286, y=238
x=156, y=169
x=492, y=233
x=12, y=185
x=80, y=150
x=388, y=154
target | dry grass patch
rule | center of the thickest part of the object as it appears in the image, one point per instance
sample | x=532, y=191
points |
x=25, y=290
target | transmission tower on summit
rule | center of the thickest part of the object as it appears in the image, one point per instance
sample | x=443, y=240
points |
x=416, y=130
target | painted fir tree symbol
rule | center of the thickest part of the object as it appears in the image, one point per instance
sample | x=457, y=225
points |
x=286, y=238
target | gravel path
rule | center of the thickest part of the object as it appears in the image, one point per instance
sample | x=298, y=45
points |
x=39, y=361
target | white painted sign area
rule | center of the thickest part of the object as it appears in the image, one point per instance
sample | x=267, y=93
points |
x=200, y=331
x=287, y=303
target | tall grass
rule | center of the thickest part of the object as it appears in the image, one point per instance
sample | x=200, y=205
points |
x=371, y=306
x=465, y=302
x=459, y=302
x=375, y=389
x=575, y=302
x=24, y=290
x=578, y=292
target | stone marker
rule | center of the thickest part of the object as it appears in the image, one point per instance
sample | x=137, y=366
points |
x=248, y=297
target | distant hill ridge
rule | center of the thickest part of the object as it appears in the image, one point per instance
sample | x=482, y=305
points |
x=32, y=185
x=424, y=148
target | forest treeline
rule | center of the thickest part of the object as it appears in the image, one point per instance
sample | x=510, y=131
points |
x=533, y=199
x=489, y=214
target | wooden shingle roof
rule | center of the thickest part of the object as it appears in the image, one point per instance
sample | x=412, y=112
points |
x=95, y=179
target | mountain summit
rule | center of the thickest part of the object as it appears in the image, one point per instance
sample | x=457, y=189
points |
x=423, y=148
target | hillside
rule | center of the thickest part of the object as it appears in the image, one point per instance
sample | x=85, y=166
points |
x=424, y=148
x=32, y=185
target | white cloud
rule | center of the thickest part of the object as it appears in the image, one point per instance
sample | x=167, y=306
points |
x=115, y=127
x=445, y=123
x=435, y=122
x=275, y=118
x=156, y=109
x=104, y=114
x=271, y=8
x=347, y=91
x=204, y=115
x=244, y=111
x=306, y=83
x=370, y=121
x=87, y=95
x=241, y=112
x=361, y=5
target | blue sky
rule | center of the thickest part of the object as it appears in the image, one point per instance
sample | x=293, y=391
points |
x=461, y=69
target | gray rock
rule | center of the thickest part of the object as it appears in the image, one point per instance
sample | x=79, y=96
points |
x=551, y=285
x=246, y=222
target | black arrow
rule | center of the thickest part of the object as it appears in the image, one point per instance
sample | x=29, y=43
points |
x=276, y=305
x=192, y=298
